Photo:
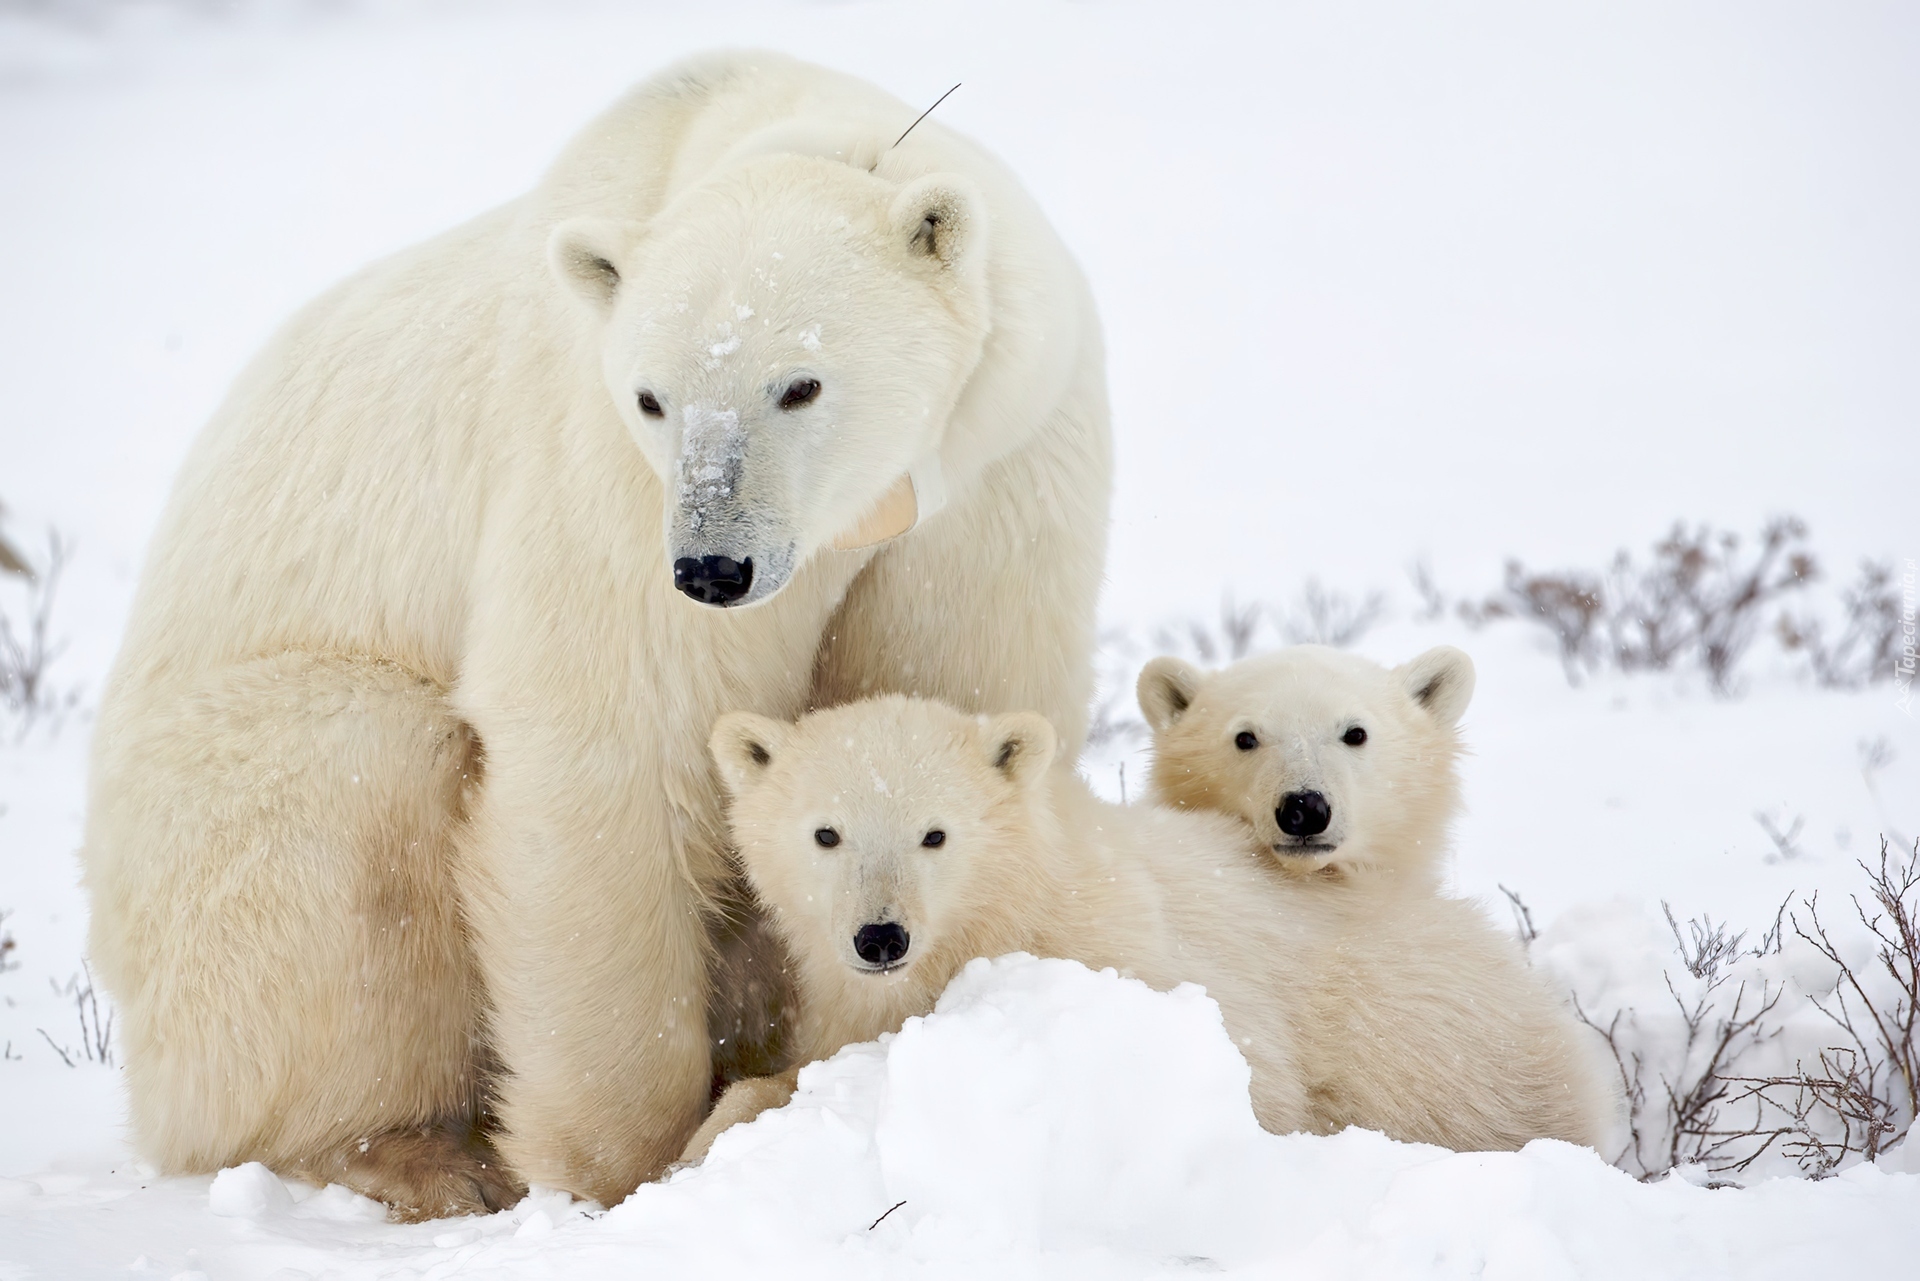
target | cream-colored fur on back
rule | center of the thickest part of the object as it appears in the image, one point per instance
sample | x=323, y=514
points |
x=1242, y=740
x=399, y=776
x=1395, y=1012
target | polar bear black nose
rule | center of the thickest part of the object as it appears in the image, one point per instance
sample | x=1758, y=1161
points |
x=713, y=580
x=880, y=944
x=1303, y=814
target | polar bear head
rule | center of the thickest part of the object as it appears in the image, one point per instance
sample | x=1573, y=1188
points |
x=886, y=836
x=1338, y=763
x=785, y=342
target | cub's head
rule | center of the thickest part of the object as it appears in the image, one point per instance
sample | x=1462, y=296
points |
x=1336, y=761
x=882, y=834
x=785, y=343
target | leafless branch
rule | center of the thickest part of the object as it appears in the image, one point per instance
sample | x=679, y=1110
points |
x=1522, y=918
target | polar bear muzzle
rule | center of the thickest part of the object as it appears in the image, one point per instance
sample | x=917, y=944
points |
x=881, y=946
x=1303, y=816
x=713, y=580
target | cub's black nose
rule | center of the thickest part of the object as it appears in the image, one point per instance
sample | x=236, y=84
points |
x=713, y=580
x=880, y=944
x=1303, y=814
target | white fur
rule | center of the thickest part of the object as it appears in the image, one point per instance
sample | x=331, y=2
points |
x=1393, y=796
x=399, y=773
x=1401, y=1013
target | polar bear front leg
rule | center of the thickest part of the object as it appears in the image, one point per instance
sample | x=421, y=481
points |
x=591, y=938
x=743, y=1101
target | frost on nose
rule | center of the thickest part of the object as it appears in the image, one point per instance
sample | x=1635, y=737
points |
x=713, y=446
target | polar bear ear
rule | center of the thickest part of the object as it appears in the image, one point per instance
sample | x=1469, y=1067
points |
x=1020, y=745
x=743, y=746
x=583, y=253
x=1165, y=689
x=1440, y=680
x=938, y=217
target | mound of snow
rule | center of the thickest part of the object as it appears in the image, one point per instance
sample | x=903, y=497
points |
x=249, y=1191
x=1042, y=1106
x=1047, y=1118
x=1044, y=1120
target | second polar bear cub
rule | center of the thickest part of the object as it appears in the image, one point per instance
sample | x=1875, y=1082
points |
x=1344, y=768
x=894, y=840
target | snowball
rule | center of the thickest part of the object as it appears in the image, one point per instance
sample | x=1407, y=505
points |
x=249, y=1191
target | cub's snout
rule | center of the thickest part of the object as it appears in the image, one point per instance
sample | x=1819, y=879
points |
x=1303, y=814
x=881, y=945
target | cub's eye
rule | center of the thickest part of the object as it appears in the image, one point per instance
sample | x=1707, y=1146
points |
x=650, y=405
x=799, y=392
x=826, y=838
x=934, y=840
x=1245, y=741
x=1354, y=737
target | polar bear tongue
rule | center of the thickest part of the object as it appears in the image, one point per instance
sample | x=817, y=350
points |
x=911, y=499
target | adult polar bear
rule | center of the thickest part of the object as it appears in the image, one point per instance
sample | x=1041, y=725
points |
x=399, y=782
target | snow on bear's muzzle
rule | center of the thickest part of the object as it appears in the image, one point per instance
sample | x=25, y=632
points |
x=733, y=545
x=728, y=546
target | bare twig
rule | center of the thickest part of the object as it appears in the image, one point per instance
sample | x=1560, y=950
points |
x=65, y=1056
x=1783, y=842
x=25, y=655
x=96, y=1032
x=1522, y=918
x=1709, y=948
x=1326, y=617
x=1433, y=601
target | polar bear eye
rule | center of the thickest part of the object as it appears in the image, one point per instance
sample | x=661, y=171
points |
x=650, y=405
x=1245, y=741
x=826, y=838
x=799, y=392
x=934, y=840
x=1354, y=737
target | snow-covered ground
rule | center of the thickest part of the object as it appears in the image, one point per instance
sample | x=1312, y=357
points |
x=1381, y=283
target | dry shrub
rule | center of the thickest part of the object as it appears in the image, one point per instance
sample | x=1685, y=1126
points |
x=1866, y=647
x=26, y=652
x=1700, y=601
x=1674, y=1104
x=96, y=1025
x=1330, y=617
x=1692, y=1103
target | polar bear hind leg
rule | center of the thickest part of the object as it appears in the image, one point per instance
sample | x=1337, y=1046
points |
x=275, y=907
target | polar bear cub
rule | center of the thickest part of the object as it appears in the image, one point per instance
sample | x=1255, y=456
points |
x=894, y=840
x=1345, y=769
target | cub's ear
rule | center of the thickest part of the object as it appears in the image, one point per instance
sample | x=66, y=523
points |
x=1020, y=745
x=940, y=217
x=584, y=254
x=1166, y=689
x=743, y=745
x=1440, y=680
